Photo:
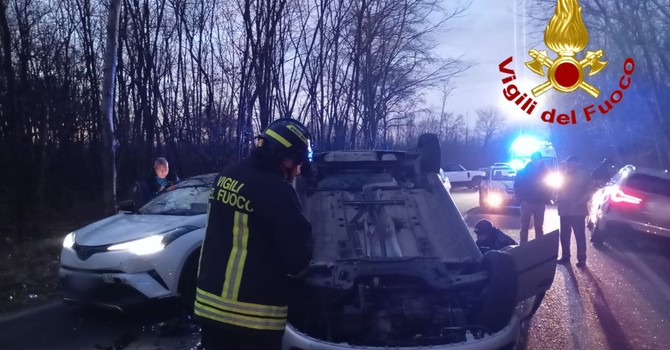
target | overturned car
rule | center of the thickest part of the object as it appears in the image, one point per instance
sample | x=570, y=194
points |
x=396, y=266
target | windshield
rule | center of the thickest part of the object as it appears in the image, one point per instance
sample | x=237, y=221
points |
x=189, y=200
x=503, y=174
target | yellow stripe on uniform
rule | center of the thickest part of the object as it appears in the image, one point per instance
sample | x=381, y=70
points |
x=243, y=255
x=278, y=137
x=260, y=323
x=238, y=255
x=240, y=307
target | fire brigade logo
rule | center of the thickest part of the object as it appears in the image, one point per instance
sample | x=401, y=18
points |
x=566, y=35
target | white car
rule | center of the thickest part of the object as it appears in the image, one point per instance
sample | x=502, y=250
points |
x=497, y=189
x=130, y=257
x=460, y=177
x=395, y=266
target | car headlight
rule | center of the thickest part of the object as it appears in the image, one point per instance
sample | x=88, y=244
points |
x=153, y=243
x=68, y=242
x=494, y=199
x=554, y=180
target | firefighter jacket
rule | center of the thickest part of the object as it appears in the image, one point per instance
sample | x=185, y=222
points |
x=256, y=237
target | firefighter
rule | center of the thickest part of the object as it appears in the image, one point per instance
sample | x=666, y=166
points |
x=256, y=241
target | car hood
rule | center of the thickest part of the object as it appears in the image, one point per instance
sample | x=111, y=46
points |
x=503, y=185
x=127, y=227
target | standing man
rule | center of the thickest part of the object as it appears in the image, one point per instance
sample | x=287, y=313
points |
x=572, y=209
x=256, y=241
x=530, y=190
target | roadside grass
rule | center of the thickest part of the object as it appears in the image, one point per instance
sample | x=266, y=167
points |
x=29, y=274
x=29, y=268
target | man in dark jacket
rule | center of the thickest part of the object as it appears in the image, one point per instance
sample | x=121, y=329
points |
x=160, y=180
x=530, y=190
x=256, y=241
x=572, y=209
x=490, y=237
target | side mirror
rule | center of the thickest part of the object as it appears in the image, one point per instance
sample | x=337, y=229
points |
x=126, y=206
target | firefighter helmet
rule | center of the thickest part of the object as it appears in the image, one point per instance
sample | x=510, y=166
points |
x=286, y=138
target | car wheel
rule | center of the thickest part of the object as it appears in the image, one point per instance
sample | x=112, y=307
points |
x=430, y=153
x=499, y=295
x=475, y=182
x=597, y=236
x=188, y=281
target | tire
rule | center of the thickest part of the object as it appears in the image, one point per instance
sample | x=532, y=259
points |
x=597, y=235
x=498, y=298
x=431, y=156
x=187, y=282
x=475, y=182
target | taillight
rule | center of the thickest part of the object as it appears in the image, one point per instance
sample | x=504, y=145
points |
x=619, y=196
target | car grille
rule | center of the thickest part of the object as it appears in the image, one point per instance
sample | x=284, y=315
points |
x=84, y=252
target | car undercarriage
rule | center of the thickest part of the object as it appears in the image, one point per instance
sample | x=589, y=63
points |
x=394, y=263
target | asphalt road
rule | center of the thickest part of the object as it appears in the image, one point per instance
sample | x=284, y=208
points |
x=621, y=300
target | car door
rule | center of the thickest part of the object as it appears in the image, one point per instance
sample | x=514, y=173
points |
x=535, y=265
x=456, y=173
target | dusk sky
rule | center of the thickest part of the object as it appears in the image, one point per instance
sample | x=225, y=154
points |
x=485, y=35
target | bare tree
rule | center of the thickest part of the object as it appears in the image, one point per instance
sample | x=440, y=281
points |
x=107, y=108
x=489, y=123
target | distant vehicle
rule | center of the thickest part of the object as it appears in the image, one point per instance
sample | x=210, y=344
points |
x=520, y=152
x=634, y=199
x=460, y=177
x=497, y=189
x=445, y=180
x=524, y=146
x=132, y=257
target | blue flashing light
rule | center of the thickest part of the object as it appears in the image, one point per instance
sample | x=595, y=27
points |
x=517, y=163
x=310, y=153
x=524, y=146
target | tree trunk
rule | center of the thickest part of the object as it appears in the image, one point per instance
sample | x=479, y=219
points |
x=107, y=110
